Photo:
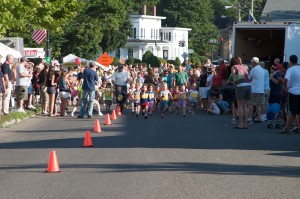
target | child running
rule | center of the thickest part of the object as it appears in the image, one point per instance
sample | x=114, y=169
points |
x=107, y=95
x=164, y=99
x=144, y=101
x=175, y=99
x=182, y=100
x=120, y=97
x=137, y=100
x=130, y=96
x=193, y=98
x=151, y=99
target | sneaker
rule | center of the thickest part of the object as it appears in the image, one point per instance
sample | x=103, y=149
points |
x=146, y=117
x=100, y=114
x=294, y=129
x=21, y=110
x=233, y=122
x=263, y=118
x=31, y=107
x=72, y=114
x=79, y=116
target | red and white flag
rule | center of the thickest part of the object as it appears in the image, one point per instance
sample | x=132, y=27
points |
x=39, y=35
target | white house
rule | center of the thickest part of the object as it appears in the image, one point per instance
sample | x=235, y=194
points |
x=148, y=34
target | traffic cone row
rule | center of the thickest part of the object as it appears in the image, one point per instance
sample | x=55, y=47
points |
x=53, y=166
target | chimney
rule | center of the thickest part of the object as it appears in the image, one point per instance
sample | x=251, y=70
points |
x=154, y=11
x=144, y=10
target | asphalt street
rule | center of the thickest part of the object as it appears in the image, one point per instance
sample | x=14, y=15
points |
x=200, y=156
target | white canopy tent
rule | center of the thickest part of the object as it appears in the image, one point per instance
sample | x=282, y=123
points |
x=71, y=59
x=5, y=50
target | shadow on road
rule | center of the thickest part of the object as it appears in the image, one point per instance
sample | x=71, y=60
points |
x=185, y=167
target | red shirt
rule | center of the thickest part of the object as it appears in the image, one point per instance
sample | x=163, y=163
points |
x=223, y=71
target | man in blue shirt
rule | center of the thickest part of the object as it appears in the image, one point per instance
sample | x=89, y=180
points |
x=90, y=81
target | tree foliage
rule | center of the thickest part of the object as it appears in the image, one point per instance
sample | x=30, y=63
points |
x=150, y=59
x=198, y=17
x=47, y=14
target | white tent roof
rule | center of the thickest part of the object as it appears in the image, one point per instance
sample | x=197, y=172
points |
x=5, y=50
x=71, y=59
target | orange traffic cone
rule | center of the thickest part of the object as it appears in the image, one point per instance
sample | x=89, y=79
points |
x=53, y=166
x=113, y=115
x=119, y=111
x=97, y=128
x=87, y=140
x=107, y=120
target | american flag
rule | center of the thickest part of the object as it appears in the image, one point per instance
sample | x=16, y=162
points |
x=39, y=35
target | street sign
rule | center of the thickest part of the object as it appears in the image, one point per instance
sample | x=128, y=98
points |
x=184, y=55
x=105, y=59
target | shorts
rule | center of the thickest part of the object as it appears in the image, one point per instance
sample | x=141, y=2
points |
x=64, y=94
x=293, y=104
x=108, y=102
x=170, y=103
x=243, y=92
x=144, y=105
x=163, y=105
x=203, y=92
x=51, y=90
x=30, y=89
x=257, y=99
x=22, y=92
x=150, y=105
x=181, y=103
x=136, y=104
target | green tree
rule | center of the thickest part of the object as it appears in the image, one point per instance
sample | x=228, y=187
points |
x=150, y=59
x=18, y=15
x=194, y=14
x=102, y=26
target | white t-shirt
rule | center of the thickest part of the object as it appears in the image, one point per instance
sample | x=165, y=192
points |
x=257, y=79
x=21, y=81
x=120, y=78
x=293, y=77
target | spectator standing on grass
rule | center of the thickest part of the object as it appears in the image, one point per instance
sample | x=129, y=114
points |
x=2, y=89
x=22, y=83
x=6, y=70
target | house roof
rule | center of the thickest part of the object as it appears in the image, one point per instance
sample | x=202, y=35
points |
x=147, y=16
x=145, y=41
x=279, y=10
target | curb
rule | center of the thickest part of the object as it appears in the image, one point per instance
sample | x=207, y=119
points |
x=15, y=121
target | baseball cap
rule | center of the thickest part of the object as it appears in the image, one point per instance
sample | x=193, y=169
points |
x=254, y=60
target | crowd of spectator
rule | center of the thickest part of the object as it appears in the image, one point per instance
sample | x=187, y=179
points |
x=229, y=88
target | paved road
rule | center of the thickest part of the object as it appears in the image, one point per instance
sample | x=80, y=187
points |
x=175, y=157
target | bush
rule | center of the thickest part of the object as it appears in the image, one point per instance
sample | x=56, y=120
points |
x=129, y=61
x=116, y=61
x=162, y=61
x=137, y=61
x=177, y=61
x=194, y=58
x=150, y=59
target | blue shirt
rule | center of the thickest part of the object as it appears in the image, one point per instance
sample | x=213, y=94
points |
x=90, y=78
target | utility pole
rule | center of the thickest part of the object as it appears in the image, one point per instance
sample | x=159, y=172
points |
x=239, y=7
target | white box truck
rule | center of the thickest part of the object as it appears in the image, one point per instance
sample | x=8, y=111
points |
x=266, y=40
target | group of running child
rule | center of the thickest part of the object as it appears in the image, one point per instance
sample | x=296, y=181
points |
x=147, y=98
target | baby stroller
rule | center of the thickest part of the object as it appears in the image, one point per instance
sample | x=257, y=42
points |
x=275, y=116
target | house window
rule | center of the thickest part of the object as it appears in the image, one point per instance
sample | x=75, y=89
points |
x=134, y=32
x=157, y=35
x=130, y=52
x=167, y=36
x=170, y=35
x=161, y=36
x=142, y=32
x=151, y=33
